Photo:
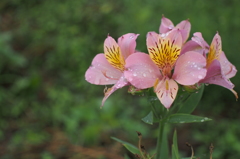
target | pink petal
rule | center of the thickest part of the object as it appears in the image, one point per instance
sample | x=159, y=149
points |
x=197, y=44
x=113, y=53
x=166, y=25
x=228, y=69
x=166, y=91
x=141, y=72
x=120, y=83
x=127, y=44
x=175, y=37
x=110, y=42
x=191, y=46
x=197, y=37
x=152, y=39
x=215, y=49
x=101, y=72
x=185, y=27
x=190, y=68
x=164, y=51
x=215, y=76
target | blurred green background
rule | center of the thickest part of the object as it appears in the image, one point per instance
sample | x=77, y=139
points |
x=48, y=110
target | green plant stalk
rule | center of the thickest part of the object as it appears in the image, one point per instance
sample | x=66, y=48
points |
x=159, y=139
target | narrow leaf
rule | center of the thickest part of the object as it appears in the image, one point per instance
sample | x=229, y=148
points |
x=186, y=118
x=164, y=148
x=175, y=146
x=174, y=153
x=191, y=103
x=133, y=149
x=149, y=118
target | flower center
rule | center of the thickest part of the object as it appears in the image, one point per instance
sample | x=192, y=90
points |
x=164, y=55
x=114, y=57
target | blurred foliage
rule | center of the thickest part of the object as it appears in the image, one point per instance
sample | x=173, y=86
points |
x=47, y=45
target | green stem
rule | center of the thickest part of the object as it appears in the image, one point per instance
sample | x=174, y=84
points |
x=160, y=137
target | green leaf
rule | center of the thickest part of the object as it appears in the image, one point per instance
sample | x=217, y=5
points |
x=191, y=103
x=186, y=118
x=164, y=147
x=133, y=149
x=175, y=154
x=175, y=142
x=149, y=118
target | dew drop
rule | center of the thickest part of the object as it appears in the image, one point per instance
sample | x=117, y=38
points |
x=134, y=74
x=200, y=76
x=144, y=75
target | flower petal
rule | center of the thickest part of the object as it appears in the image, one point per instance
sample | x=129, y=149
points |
x=127, y=44
x=197, y=37
x=166, y=25
x=120, y=83
x=197, y=44
x=191, y=46
x=228, y=69
x=101, y=72
x=190, y=68
x=215, y=76
x=164, y=51
x=152, y=39
x=185, y=27
x=113, y=53
x=215, y=49
x=166, y=91
x=140, y=71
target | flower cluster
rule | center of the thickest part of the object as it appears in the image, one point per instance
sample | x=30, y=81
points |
x=171, y=61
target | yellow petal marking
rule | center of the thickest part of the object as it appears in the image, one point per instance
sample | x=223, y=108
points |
x=114, y=57
x=167, y=85
x=214, y=52
x=164, y=54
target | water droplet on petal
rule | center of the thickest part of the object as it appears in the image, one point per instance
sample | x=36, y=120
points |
x=134, y=74
x=200, y=76
x=144, y=75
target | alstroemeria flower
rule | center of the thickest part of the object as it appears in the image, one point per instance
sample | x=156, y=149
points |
x=108, y=68
x=219, y=69
x=144, y=71
x=167, y=25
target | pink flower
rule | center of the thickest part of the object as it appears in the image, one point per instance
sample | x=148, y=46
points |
x=167, y=25
x=108, y=68
x=144, y=71
x=219, y=69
